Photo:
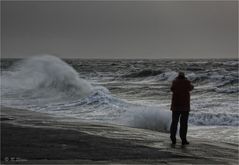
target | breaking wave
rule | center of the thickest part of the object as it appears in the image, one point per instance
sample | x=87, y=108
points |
x=45, y=73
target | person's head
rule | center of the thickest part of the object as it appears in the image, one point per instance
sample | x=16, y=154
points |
x=181, y=75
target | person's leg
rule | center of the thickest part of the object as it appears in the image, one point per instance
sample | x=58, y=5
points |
x=184, y=127
x=174, y=125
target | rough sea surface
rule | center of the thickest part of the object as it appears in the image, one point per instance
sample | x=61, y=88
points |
x=135, y=93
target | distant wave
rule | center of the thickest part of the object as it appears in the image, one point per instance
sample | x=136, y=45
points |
x=194, y=68
x=143, y=73
x=193, y=76
x=214, y=119
x=227, y=90
x=220, y=81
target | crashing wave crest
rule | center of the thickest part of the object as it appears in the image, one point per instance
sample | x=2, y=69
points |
x=46, y=73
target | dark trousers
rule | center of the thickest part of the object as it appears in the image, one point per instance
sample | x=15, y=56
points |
x=183, y=124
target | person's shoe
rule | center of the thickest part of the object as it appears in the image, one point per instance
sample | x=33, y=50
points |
x=185, y=142
x=173, y=141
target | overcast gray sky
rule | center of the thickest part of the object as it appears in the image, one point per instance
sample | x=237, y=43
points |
x=163, y=29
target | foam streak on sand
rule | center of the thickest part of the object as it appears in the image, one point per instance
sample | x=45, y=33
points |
x=37, y=141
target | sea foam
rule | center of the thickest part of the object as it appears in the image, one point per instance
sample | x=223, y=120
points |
x=48, y=84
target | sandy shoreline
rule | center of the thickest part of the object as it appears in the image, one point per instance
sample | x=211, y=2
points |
x=35, y=138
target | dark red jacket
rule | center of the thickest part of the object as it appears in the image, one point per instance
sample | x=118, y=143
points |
x=181, y=88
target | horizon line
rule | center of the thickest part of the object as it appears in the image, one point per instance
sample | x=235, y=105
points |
x=166, y=58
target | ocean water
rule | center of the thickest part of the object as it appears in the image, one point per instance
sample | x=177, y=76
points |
x=134, y=93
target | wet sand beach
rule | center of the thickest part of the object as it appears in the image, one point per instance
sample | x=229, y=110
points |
x=35, y=138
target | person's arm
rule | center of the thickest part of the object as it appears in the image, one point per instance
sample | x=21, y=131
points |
x=191, y=86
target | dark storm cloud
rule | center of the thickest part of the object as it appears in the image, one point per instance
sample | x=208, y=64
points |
x=185, y=29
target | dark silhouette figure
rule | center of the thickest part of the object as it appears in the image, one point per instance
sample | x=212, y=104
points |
x=180, y=107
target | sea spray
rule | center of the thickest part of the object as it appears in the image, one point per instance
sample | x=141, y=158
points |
x=46, y=72
x=148, y=117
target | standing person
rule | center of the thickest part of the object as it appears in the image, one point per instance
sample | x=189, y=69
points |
x=180, y=107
